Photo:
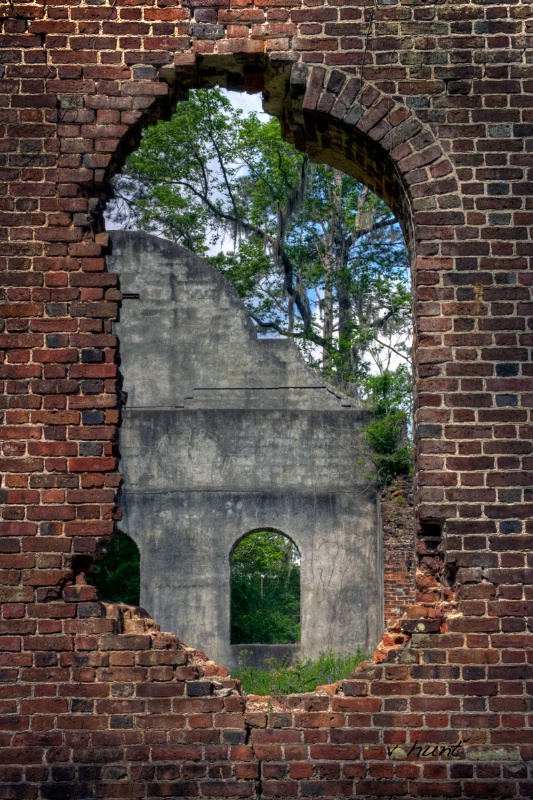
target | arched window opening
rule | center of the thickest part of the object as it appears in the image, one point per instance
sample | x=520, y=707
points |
x=117, y=573
x=239, y=251
x=265, y=590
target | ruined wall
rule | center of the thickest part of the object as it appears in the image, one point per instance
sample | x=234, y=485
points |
x=430, y=104
x=399, y=538
x=223, y=433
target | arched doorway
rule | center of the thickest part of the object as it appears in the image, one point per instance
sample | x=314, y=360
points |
x=265, y=589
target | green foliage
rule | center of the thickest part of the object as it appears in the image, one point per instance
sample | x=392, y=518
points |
x=265, y=590
x=389, y=398
x=304, y=676
x=117, y=573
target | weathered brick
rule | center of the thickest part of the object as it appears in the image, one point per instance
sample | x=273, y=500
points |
x=459, y=146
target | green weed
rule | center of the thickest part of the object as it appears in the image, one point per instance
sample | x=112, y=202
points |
x=303, y=676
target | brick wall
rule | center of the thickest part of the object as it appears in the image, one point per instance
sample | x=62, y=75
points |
x=429, y=103
x=399, y=539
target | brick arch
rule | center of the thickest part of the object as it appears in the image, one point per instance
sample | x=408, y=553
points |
x=333, y=117
x=355, y=126
x=383, y=143
x=328, y=112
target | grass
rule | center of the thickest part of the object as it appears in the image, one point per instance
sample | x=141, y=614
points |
x=304, y=676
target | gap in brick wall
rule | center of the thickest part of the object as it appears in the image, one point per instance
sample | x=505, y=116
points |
x=219, y=248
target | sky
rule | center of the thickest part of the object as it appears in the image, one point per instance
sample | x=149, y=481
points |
x=247, y=102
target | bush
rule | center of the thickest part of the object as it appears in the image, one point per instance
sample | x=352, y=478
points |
x=389, y=398
x=391, y=457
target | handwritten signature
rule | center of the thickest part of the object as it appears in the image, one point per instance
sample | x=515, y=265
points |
x=424, y=751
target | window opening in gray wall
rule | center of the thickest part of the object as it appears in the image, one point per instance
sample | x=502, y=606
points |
x=265, y=589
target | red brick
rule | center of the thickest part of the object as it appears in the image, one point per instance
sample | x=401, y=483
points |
x=470, y=320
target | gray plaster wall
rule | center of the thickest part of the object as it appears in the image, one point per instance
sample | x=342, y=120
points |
x=224, y=433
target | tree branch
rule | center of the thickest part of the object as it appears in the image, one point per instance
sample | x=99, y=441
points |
x=390, y=347
x=379, y=323
x=310, y=337
x=354, y=237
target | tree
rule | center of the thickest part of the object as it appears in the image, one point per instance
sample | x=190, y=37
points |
x=265, y=590
x=316, y=256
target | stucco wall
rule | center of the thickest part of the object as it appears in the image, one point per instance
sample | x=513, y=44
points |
x=224, y=433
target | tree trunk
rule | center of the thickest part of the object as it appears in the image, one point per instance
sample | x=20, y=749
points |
x=342, y=279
